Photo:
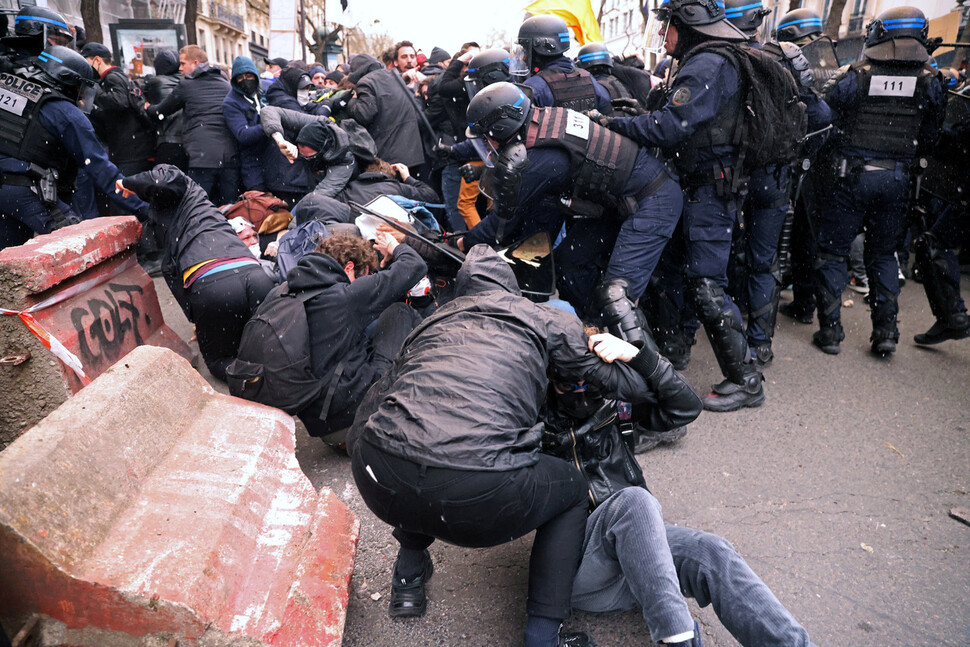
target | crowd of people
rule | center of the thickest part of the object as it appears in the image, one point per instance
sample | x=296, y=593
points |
x=672, y=198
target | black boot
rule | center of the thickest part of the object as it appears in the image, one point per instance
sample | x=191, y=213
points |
x=731, y=396
x=408, y=596
x=884, y=340
x=828, y=338
x=956, y=326
x=675, y=346
x=800, y=312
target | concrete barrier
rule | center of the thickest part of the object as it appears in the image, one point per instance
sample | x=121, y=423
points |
x=149, y=505
x=90, y=295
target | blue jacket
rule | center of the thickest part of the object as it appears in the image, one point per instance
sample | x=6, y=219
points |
x=542, y=95
x=243, y=122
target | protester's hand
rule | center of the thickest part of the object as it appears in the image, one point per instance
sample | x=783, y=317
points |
x=460, y=244
x=120, y=188
x=272, y=249
x=402, y=171
x=469, y=55
x=610, y=348
x=413, y=76
x=289, y=150
x=385, y=244
x=384, y=228
x=147, y=104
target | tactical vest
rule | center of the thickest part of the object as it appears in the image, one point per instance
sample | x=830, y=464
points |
x=723, y=130
x=22, y=136
x=575, y=90
x=600, y=160
x=613, y=85
x=887, y=115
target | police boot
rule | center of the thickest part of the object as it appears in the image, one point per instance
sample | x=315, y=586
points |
x=674, y=344
x=800, y=312
x=828, y=337
x=884, y=340
x=942, y=293
x=619, y=314
x=731, y=396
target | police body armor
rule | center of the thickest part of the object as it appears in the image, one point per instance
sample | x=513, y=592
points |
x=22, y=136
x=613, y=85
x=600, y=160
x=790, y=55
x=887, y=117
x=822, y=58
x=575, y=90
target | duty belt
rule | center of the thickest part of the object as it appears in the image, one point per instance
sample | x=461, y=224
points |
x=13, y=179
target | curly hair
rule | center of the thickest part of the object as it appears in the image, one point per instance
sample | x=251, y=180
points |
x=345, y=248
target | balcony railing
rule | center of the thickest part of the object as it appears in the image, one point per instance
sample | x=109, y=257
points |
x=224, y=15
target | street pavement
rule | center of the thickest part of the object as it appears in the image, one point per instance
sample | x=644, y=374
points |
x=837, y=491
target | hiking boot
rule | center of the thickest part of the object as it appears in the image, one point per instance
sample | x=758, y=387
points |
x=799, y=312
x=408, y=597
x=731, y=396
x=647, y=439
x=828, y=338
x=762, y=353
x=860, y=285
x=884, y=341
x=958, y=327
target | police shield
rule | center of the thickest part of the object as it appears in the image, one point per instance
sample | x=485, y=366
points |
x=822, y=58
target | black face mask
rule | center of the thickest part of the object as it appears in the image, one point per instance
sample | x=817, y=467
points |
x=316, y=163
x=248, y=86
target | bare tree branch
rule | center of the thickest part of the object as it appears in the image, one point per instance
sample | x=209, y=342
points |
x=834, y=20
x=91, y=16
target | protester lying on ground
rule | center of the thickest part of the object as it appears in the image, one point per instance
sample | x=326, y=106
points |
x=212, y=274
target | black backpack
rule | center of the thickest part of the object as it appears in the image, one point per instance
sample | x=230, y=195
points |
x=774, y=120
x=273, y=364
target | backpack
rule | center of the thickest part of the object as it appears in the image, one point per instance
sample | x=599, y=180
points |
x=297, y=243
x=260, y=209
x=774, y=120
x=273, y=365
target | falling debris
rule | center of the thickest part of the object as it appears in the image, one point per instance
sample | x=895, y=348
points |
x=961, y=514
x=867, y=548
x=901, y=455
x=375, y=596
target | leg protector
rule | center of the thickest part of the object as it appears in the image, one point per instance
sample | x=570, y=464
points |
x=724, y=328
x=827, y=296
x=942, y=293
x=620, y=315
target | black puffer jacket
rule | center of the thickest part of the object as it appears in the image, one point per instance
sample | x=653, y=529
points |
x=337, y=319
x=465, y=391
x=167, y=76
x=208, y=141
x=191, y=229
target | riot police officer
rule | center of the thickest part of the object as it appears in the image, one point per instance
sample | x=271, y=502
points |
x=596, y=59
x=695, y=129
x=888, y=108
x=768, y=200
x=44, y=139
x=803, y=27
x=555, y=81
x=555, y=151
x=34, y=29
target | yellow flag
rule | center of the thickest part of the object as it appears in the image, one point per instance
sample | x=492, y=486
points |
x=578, y=14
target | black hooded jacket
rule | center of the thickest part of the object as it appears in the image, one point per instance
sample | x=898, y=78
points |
x=337, y=318
x=167, y=76
x=191, y=229
x=466, y=389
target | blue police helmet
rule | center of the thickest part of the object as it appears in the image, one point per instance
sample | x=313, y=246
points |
x=498, y=111
x=544, y=35
x=37, y=21
x=897, y=34
x=65, y=67
x=703, y=16
x=798, y=24
x=594, y=55
x=746, y=15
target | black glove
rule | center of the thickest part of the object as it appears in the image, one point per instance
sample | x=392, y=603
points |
x=471, y=172
x=443, y=151
x=628, y=106
x=600, y=118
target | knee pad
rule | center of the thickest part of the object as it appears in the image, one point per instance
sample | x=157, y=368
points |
x=708, y=298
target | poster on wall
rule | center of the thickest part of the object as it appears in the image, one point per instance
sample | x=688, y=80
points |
x=136, y=42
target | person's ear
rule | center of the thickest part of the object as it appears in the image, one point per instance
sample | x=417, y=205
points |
x=349, y=270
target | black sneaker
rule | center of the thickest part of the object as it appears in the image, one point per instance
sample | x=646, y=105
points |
x=828, y=338
x=958, y=327
x=799, y=312
x=884, y=341
x=647, y=439
x=731, y=396
x=408, y=597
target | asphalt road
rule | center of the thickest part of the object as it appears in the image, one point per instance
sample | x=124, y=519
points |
x=837, y=491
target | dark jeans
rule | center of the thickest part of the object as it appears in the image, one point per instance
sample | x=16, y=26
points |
x=22, y=214
x=220, y=184
x=221, y=304
x=477, y=509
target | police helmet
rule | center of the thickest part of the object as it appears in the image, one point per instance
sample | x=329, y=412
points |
x=594, y=55
x=544, y=36
x=498, y=111
x=706, y=17
x=489, y=66
x=65, y=67
x=41, y=21
x=897, y=34
x=745, y=14
x=798, y=24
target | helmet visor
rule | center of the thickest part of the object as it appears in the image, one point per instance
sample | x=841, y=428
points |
x=656, y=35
x=486, y=151
x=87, y=93
x=473, y=87
x=520, y=63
